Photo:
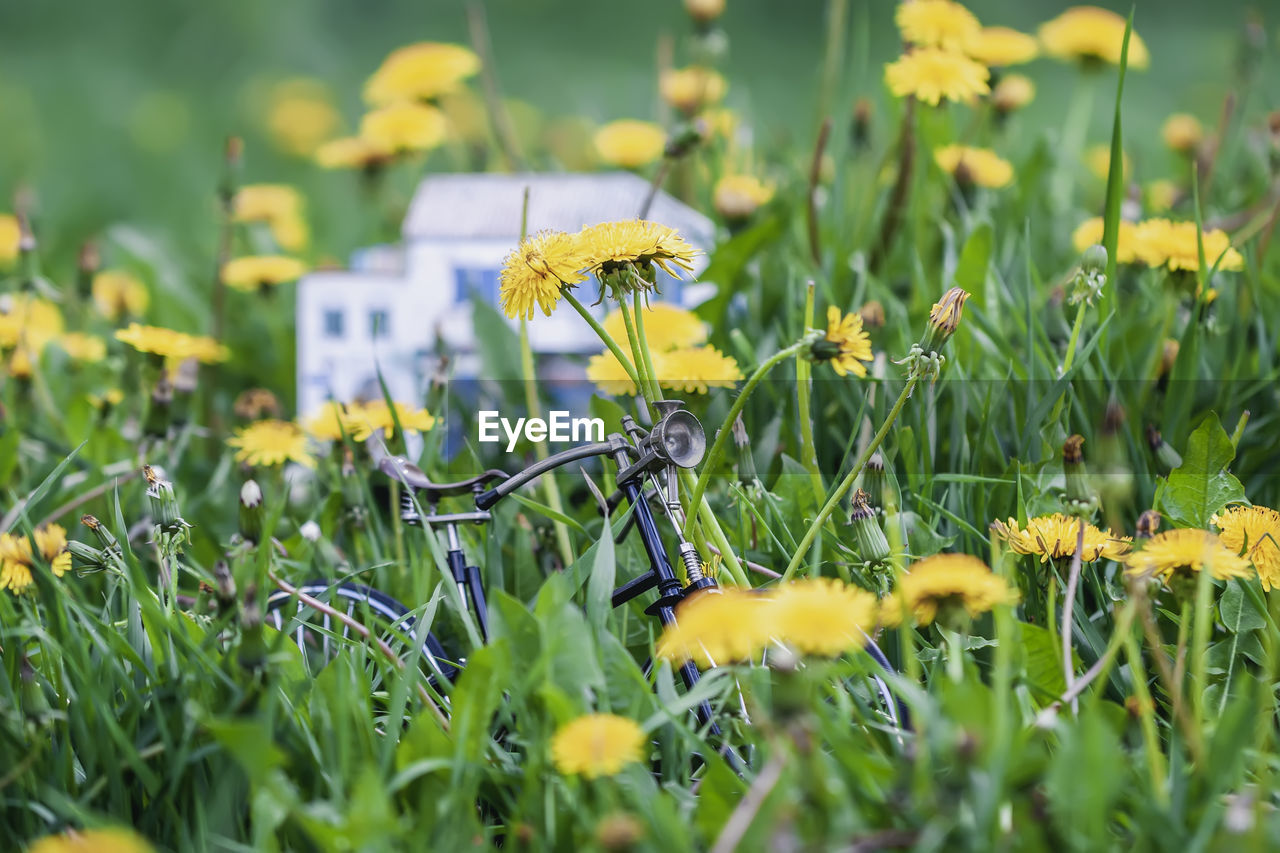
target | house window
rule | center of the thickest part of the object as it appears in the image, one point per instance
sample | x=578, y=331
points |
x=333, y=323
x=475, y=282
x=379, y=323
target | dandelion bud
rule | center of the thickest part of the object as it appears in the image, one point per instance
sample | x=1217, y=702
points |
x=703, y=11
x=1164, y=453
x=99, y=530
x=1078, y=495
x=875, y=483
x=620, y=831
x=872, y=314
x=1013, y=92
x=251, y=512
x=1094, y=259
x=86, y=558
x=746, y=462
x=225, y=586
x=163, y=501
x=944, y=319
x=860, y=130
x=1148, y=524
x=1091, y=277
x=869, y=541
x=1168, y=355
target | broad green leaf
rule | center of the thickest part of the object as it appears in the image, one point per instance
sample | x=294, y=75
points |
x=600, y=586
x=1201, y=485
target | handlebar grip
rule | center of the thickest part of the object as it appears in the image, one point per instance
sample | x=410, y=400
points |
x=486, y=500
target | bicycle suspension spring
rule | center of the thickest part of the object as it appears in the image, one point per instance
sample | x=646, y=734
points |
x=408, y=511
x=692, y=562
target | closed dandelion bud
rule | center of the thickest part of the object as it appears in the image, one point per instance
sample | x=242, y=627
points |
x=746, y=463
x=1148, y=524
x=99, y=530
x=251, y=512
x=1163, y=451
x=1078, y=494
x=875, y=482
x=86, y=558
x=225, y=586
x=944, y=319
x=869, y=541
x=163, y=501
x=860, y=130
x=1094, y=259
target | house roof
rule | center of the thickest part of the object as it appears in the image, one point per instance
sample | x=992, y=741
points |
x=488, y=205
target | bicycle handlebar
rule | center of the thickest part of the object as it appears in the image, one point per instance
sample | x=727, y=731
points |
x=486, y=500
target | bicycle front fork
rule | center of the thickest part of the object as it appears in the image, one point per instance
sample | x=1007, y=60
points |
x=468, y=580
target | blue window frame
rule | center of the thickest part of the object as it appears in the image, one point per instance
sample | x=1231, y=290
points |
x=470, y=282
x=333, y=323
x=379, y=323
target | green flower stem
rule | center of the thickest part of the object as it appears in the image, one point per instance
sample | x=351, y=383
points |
x=604, y=336
x=638, y=303
x=1146, y=715
x=715, y=533
x=804, y=374
x=549, y=486
x=1201, y=625
x=1075, y=338
x=722, y=436
x=815, y=527
x=646, y=386
x=955, y=656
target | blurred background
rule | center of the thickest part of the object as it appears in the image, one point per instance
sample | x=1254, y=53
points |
x=116, y=112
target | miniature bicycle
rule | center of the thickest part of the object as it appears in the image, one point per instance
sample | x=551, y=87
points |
x=642, y=457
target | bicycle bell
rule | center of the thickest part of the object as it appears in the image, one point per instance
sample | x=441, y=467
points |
x=677, y=438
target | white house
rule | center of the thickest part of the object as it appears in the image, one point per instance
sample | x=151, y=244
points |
x=395, y=304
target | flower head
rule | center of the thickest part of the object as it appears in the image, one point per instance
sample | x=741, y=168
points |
x=715, y=628
x=10, y=238
x=630, y=143
x=536, y=270
x=1053, y=537
x=420, y=72
x=404, y=127
x=666, y=327
x=1088, y=33
x=1002, y=46
x=933, y=75
x=376, y=416
x=28, y=322
x=936, y=23
x=351, y=152
x=1013, y=92
x=117, y=293
x=301, y=115
x=846, y=345
x=821, y=616
x=175, y=346
x=92, y=841
x=1089, y=233
x=1162, y=194
x=737, y=197
x=83, y=347
x=704, y=10
x=980, y=166
x=1159, y=242
x=635, y=243
x=271, y=442
x=1253, y=531
x=1178, y=554
x=944, y=319
x=597, y=745
x=693, y=88
x=255, y=272
x=611, y=377
x=694, y=370
x=327, y=423
x=18, y=558
x=1182, y=132
x=265, y=202
x=945, y=584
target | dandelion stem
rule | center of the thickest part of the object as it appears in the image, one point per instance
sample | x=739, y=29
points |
x=604, y=336
x=1075, y=339
x=646, y=386
x=638, y=302
x=1068, y=606
x=815, y=527
x=722, y=435
x=804, y=387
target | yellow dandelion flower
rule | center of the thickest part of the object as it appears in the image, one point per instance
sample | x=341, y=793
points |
x=51, y=542
x=821, y=616
x=291, y=233
x=1178, y=554
x=265, y=203
x=405, y=127
x=666, y=327
x=695, y=370
x=691, y=89
x=1013, y=92
x=420, y=72
x=536, y=270
x=351, y=152
x=936, y=23
x=597, y=745
x=83, y=347
x=1002, y=46
x=175, y=346
x=18, y=559
x=117, y=293
x=301, y=115
x=846, y=345
x=376, y=416
x=326, y=424
x=1253, y=531
x=714, y=628
x=1182, y=132
x=630, y=143
x=737, y=197
x=28, y=322
x=1089, y=233
x=946, y=583
x=1087, y=33
x=1162, y=194
x=255, y=272
x=611, y=377
x=721, y=122
x=92, y=841
x=1159, y=242
x=22, y=361
x=110, y=397
x=980, y=166
x=266, y=444
x=1053, y=537
x=10, y=238
x=933, y=75
x=611, y=245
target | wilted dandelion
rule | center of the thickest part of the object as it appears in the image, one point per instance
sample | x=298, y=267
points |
x=945, y=585
x=257, y=272
x=821, y=616
x=1054, y=537
x=978, y=166
x=117, y=293
x=630, y=143
x=936, y=23
x=1253, y=531
x=537, y=269
x=266, y=444
x=420, y=72
x=597, y=745
x=1090, y=34
x=1176, y=555
x=932, y=75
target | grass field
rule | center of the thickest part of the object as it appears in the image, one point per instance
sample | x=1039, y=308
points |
x=976, y=387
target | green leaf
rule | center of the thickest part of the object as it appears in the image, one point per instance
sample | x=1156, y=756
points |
x=971, y=271
x=600, y=587
x=1202, y=485
x=1082, y=809
x=1238, y=614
